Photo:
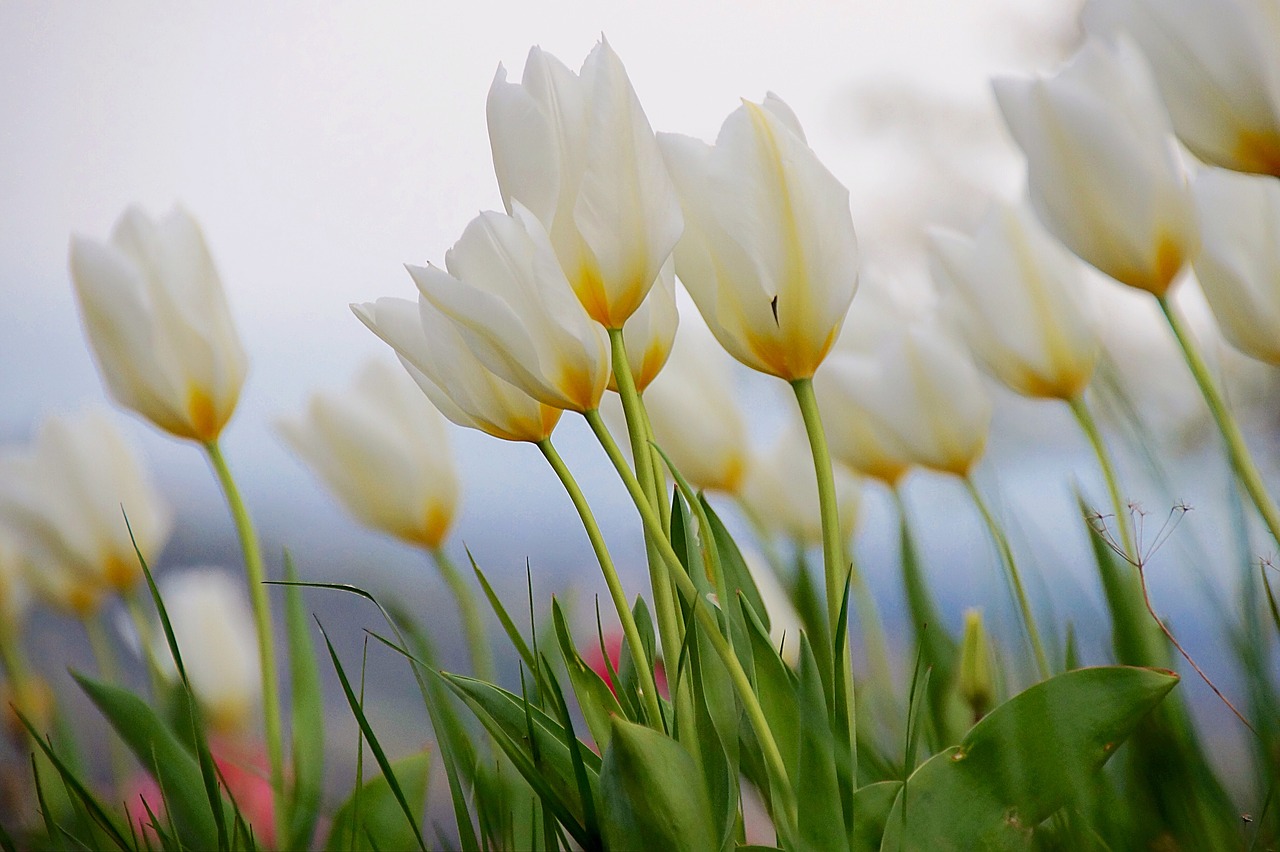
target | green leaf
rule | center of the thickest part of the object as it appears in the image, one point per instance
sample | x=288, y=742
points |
x=371, y=817
x=821, y=816
x=307, y=716
x=513, y=632
x=651, y=795
x=1023, y=761
x=737, y=574
x=871, y=806
x=595, y=698
x=163, y=755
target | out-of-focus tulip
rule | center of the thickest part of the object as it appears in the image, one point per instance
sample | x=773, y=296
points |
x=784, y=621
x=578, y=151
x=782, y=492
x=1102, y=166
x=15, y=588
x=67, y=496
x=1217, y=63
x=921, y=401
x=1239, y=262
x=212, y=624
x=462, y=388
x=696, y=418
x=383, y=449
x=157, y=320
x=768, y=253
x=512, y=306
x=1019, y=300
x=651, y=331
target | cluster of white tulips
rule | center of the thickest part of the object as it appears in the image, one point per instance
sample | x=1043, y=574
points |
x=1154, y=151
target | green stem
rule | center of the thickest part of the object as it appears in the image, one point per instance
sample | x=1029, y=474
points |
x=742, y=683
x=1090, y=427
x=472, y=622
x=1015, y=578
x=256, y=575
x=109, y=670
x=142, y=626
x=649, y=693
x=1241, y=460
x=641, y=450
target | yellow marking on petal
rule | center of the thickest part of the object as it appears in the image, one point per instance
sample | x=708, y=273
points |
x=655, y=358
x=1259, y=151
x=120, y=573
x=579, y=386
x=1168, y=262
x=83, y=599
x=734, y=474
x=436, y=522
x=590, y=289
x=203, y=415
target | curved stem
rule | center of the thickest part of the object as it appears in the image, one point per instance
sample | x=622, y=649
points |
x=472, y=621
x=256, y=574
x=650, y=691
x=638, y=433
x=1090, y=427
x=1238, y=451
x=1015, y=578
x=742, y=684
x=109, y=670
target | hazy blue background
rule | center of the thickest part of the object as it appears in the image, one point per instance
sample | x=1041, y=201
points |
x=324, y=147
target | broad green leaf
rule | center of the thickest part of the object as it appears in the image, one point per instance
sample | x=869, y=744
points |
x=163, y=755
x=595, y=698
x=652, y=798
x=737, y=574
x=307, y=711
x=371, y=817
x=871, y=806
x=821, y=815
x=1023, y=761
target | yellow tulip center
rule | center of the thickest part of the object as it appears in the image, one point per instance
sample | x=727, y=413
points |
x=202, y=415
x=120, y=573
x=1156, y=278
x=1259, y=151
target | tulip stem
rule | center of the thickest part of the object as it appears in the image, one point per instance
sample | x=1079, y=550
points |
x=742, y=683
x=1015, y=577
x=255, y=572
x=1090, y=427
x=472, y=622
x=109, y=670
x=1237, y=449
x=639, y=433
x=649, y=692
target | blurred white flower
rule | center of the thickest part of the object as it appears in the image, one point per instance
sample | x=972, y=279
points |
x=1102, y=166
x=463, y=389
x=784, y=621
x=383, y=449
x=1019, y=300
x=781, y=490
x=919, y=401
x=213, y=627
x=578, y=151
x=66, y=497
x=15, y=587
x=1217, y=63
x=1239, y=263
x=509, y=300
x=768, y=253
x=158, y=323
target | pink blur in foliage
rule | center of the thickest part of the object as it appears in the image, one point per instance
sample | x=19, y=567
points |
x=613, y=645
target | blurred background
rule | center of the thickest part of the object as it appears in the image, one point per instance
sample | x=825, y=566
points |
x=323, y=146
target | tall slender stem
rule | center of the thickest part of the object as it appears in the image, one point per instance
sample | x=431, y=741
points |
x=649, y=692
x=109, y=670
x=1238, y=451
x=1015, y=578
x=1090, y=427
x=742, y=683
x=638, y=432
x=256, y=574
x=472, y=622
x=142, y=626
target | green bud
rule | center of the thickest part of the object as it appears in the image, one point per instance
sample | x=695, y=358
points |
x=976, y=680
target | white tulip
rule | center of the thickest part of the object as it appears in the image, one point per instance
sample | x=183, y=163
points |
x=768, y=253
x=1217, y=63
x=383, y=449
x=782, y=493
x=1018, y=298
x=651, y=331
x=157, y=319
x=1239, y=263
x=578, y=151
x=1102, y=166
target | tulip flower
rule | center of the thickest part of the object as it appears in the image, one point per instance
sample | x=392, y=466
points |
x=782, y=496
x=1019, y=300
x=651, y=331
x=213, y=626
x=920, y=402
x=1239, y=263
x=383, y=449
x=67, y=497
x=1217, y=63
x=768, y=253
x=578, y=152
x=463, y=389
x=15, y=588
x=1101, y=164
x=515, y=311
x=158, y=323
